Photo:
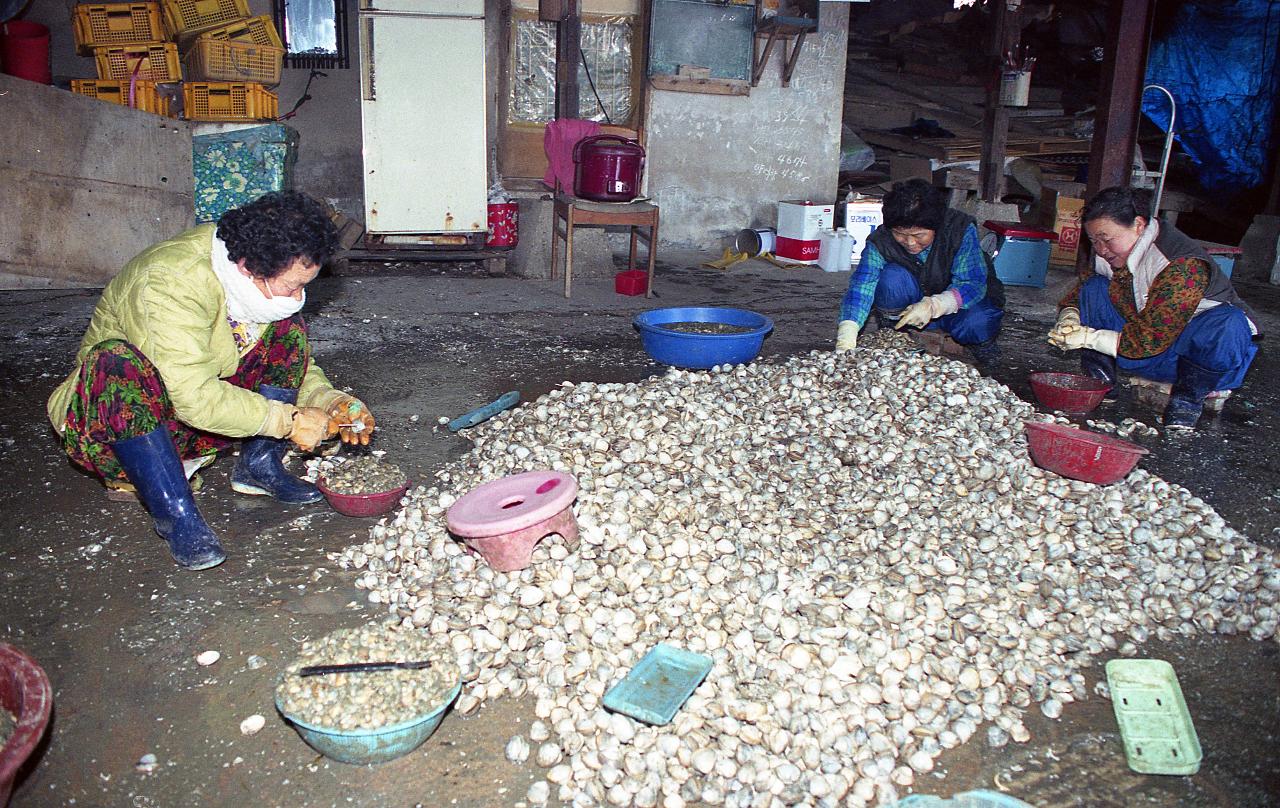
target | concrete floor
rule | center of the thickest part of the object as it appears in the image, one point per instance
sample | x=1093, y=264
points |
x=89, y=590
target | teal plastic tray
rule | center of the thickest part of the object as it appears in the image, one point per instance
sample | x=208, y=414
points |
x=1155, y=724
x=658, y=684
x=969, y=799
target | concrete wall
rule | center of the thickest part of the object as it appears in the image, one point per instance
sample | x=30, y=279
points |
x=718, y=164
x=329, y=164
x=87, y=185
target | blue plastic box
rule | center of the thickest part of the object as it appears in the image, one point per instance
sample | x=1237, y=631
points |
x=1022, y=253
x=1224, y=255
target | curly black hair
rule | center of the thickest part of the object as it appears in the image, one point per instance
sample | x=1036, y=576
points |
x=1119, y=204
x=273, y=230
x=914, y=203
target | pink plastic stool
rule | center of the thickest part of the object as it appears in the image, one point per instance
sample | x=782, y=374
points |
x=503, y=520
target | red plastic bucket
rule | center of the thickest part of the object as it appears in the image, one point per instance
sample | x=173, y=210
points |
x=24, y=51
x=1080, y=454
x=24, y=691
x=1068, y=392
x=504, y=224
x=631, y=282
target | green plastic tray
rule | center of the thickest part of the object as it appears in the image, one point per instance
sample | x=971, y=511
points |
x=1159, y=737
x=658, y=684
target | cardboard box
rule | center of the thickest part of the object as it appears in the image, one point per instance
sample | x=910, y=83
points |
x=861, y=216
x=799, y=224
x=1062, y=213
x=906, y=167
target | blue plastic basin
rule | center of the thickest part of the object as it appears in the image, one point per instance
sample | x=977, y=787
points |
x=371, y=745
x=702, y=350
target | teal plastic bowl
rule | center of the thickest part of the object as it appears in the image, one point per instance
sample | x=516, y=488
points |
x=371, y=745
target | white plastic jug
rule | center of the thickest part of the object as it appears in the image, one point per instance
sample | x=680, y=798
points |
x=835, y=250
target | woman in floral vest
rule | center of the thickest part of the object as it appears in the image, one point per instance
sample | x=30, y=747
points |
x=1155, y=305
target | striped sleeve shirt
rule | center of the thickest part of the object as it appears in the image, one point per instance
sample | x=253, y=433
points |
x=968, y=278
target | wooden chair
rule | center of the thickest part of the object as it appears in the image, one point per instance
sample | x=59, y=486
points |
x=575, y=212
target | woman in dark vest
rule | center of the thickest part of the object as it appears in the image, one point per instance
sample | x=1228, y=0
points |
x=1155, y=305
x=923, y=268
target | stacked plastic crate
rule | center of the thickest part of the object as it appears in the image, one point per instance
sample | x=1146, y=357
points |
x=135, y=60
x=230, y=59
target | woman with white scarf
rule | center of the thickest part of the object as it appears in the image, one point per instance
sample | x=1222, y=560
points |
x=199, y=341
x=1154, y=304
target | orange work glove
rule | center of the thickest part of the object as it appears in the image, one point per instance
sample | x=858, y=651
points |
x=351, y=419
x=310, y=427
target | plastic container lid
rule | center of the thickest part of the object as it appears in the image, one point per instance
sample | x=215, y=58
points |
x=659, y=683
x=1155, y=724
x=980, y=798
x=1016, y=230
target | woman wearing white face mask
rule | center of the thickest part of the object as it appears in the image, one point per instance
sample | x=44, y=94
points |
x=196, y=342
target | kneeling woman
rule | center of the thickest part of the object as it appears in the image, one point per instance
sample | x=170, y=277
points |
x=924, y=268
x=1155, y=305
x=196, y=342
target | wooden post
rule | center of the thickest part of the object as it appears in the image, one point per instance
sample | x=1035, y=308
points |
x=568, y=45
x=1115, y=128
x=1006, y=33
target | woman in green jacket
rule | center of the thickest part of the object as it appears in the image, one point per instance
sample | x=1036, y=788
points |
x=196, y=342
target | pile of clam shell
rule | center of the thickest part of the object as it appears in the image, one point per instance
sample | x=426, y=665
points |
x=368, y=700
x=8, y=723
x=859, y=542
x=363, y=475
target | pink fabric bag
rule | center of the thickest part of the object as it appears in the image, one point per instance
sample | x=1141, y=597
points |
x=558, y=142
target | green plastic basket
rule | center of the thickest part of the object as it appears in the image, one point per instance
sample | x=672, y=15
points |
x=1155, y=724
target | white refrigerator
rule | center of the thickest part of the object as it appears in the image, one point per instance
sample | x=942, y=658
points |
x=422, y=114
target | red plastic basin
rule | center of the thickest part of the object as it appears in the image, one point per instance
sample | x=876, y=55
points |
x=1080, y=454
x=25, y=692
x=1068, y=392
x=363, y=504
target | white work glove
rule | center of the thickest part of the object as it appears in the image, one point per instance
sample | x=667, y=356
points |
x=846, y=336
x=918, y=315
x=1080, y=337
x=1068, y=321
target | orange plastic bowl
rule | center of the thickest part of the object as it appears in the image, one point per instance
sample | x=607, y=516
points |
x=363, y=504
x=1068, y=392
x=1081, y=454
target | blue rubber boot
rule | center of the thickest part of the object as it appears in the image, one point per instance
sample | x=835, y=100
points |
x=152, y=465
x=1186, y=399
x=259, y=470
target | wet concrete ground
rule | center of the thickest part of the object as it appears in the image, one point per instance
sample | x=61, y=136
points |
x=89, y=590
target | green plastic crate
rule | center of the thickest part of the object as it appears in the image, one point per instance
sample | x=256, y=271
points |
x=1155, y=724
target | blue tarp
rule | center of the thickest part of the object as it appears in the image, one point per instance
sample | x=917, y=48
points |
x=1218, y=59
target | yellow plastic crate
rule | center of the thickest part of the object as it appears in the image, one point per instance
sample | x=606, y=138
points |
x=260, y=30
x=229, y=101
x=186, y=17
x=230, y=60
x=146, y=96
x=150, y=61
x=100, y=24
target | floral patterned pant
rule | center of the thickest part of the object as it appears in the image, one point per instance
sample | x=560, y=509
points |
x=119, y=395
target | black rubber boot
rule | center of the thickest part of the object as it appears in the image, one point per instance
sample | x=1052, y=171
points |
x=1186, y=399
x=259, y=471
x=1098, y=365
x=153, y=466
x=986, y=353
